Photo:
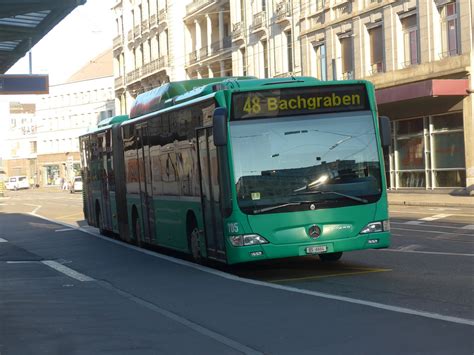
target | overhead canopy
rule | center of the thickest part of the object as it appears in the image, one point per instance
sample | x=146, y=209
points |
x=24, y=22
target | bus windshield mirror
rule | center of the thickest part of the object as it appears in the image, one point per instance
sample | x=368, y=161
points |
x=219, y=122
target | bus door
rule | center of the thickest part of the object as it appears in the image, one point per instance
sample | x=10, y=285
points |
x=104, y=139
x=145, y=184
x=210, y=194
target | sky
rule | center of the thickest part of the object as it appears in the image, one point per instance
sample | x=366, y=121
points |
x=82, y=35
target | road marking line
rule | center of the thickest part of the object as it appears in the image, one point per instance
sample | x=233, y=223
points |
x=64, y=230
x=330, y=275
x=70, y=215
x=421, y=212
x=433, y=225
x=435, y=217
x=410, y=247
x=3, y=240
x=227, y=276
x=469, y=226
x=430, y=231
x=183, y=321
x=35, y=210
x=427, y=252
x=67, y=271
x=22, y=262
x=413, y=222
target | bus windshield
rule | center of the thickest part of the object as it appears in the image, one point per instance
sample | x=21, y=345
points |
x=323, y=159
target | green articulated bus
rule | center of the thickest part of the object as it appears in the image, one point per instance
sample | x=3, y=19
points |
x=243, y=169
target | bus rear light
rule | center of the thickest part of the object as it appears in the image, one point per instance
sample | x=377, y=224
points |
x=247, y=239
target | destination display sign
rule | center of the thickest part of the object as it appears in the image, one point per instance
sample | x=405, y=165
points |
x=299, y=101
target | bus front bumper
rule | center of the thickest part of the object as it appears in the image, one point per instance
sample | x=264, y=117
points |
x=273, y=251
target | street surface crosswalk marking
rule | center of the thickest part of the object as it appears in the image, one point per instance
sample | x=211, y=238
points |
x=3, y=240
x=469, y=226
x=429, y=219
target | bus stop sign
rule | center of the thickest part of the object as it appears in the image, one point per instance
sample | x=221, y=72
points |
x=12, y=84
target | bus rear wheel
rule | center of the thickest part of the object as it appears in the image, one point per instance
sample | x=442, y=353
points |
x=330, y=257
x=137, y=230
x=98, y=219
x=195, y=245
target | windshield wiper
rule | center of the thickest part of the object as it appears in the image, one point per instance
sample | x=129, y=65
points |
x=266, y=209
x=308, y=191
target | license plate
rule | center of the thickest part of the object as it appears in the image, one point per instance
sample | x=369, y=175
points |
x=316, y=249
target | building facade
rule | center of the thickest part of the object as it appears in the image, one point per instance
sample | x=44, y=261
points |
x=20, y=145
x=417, y=53
x=149, y=47
x=41, y=131
x=160, y=41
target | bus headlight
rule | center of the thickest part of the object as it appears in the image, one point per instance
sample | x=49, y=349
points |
x=375, y=227
x=247, y=239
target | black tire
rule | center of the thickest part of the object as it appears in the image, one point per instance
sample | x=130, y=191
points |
x=330, y=257
x=98, y=219
x=137, y=228
x=196, y=246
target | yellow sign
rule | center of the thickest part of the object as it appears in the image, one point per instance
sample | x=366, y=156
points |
x=321, y=99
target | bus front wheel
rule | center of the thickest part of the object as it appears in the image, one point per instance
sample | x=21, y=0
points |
x=330, y=257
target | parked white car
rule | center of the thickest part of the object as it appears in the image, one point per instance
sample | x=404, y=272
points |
x=17, y=182
x=76, y=184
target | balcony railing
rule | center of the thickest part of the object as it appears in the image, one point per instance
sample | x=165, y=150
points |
x=153, y=21
x=376, y=68
x=162, y=15
x=216, y=46
x=258, y=20
x=118, y=42
x=283, y=10
x=130, y=36
x=237, y=30
x=348, y=75
x=137, y=32
x=133, y=76
x=145, y=26
x=192, y=57
x=196, y=5
x=203, y=52
x=119, y=82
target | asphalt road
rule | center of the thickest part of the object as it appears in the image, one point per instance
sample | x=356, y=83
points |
x=63, y=291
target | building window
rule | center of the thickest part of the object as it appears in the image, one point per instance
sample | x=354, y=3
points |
x=447, y=139
x=449, y=37
x=289, y=50
x=410, y=41
x=244, y=61
x=347, y=57
x=265, y=58
x=33, y=147
x=376, y=50
x=264, y=5
x=242, y=10
x=321, y=66
x=429, y=152
x=409, y=147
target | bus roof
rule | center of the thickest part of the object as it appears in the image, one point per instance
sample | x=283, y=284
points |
x=163, y=96
x=106, y=123
x=174, y=93
x=112, y=120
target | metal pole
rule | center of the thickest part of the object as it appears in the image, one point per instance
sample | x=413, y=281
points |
x=30, y=56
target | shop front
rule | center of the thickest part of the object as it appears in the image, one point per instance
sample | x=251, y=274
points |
x=429, y=134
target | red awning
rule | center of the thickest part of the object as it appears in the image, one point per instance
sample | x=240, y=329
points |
x=427, y=88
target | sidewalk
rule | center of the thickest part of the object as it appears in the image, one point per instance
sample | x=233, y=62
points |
x=429, y=199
